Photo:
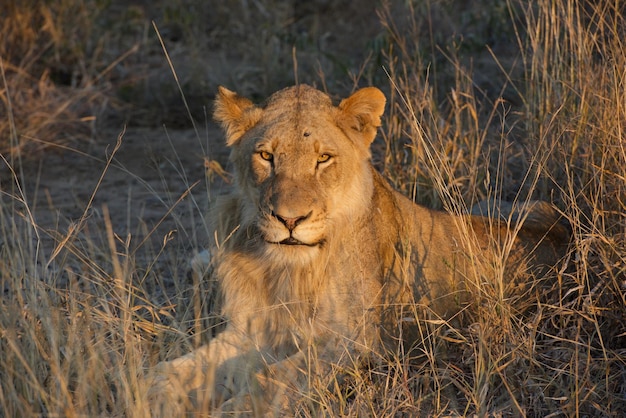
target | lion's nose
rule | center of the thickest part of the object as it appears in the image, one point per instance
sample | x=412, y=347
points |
x=290, y=222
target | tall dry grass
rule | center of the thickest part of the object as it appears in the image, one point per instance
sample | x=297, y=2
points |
x=87, y=307
x=559, y=347
x=82, y=320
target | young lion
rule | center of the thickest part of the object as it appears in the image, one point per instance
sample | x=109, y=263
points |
x=318, y=256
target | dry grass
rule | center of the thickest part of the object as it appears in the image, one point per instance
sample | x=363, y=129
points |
x=49, y=73
x=559, y=347
x=81, y=321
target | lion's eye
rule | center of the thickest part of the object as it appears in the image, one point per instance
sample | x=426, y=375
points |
x=323, y=158
x=266, y=156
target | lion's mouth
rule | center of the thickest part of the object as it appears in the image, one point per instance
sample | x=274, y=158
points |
x=294, y=242
x=291, y=241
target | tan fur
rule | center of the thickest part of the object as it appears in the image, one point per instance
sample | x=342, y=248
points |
x=318, y=257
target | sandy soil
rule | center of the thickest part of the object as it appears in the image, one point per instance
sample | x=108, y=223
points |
x=154, y=190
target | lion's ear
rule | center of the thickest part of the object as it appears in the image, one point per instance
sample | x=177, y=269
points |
x=362, y=111
x=235, y=113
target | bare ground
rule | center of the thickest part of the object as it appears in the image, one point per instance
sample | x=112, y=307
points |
x=148, y=186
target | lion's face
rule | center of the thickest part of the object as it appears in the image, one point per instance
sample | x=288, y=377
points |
x=301, y=163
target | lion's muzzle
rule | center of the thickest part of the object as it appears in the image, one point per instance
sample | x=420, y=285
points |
x=291, y=230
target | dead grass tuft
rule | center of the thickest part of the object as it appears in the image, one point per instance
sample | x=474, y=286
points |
x=54, y=73
x=40, y=114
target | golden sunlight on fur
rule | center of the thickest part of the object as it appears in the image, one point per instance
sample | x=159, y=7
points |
x=319, y=259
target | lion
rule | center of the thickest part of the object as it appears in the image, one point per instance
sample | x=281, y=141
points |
x=319, y=259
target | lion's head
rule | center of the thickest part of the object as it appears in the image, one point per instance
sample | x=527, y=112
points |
x=302, y=164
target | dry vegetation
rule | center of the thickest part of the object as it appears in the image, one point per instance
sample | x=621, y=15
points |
x=511, y=100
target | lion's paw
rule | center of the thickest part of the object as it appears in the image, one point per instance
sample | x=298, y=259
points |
x=165, y=395
x=173, y=387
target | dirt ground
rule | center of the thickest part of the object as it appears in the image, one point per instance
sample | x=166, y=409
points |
x=153, y=193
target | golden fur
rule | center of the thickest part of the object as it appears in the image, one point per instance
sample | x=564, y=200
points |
x=319, y=256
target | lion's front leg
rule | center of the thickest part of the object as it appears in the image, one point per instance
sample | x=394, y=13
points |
x=201, y=379
x=289, y=385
